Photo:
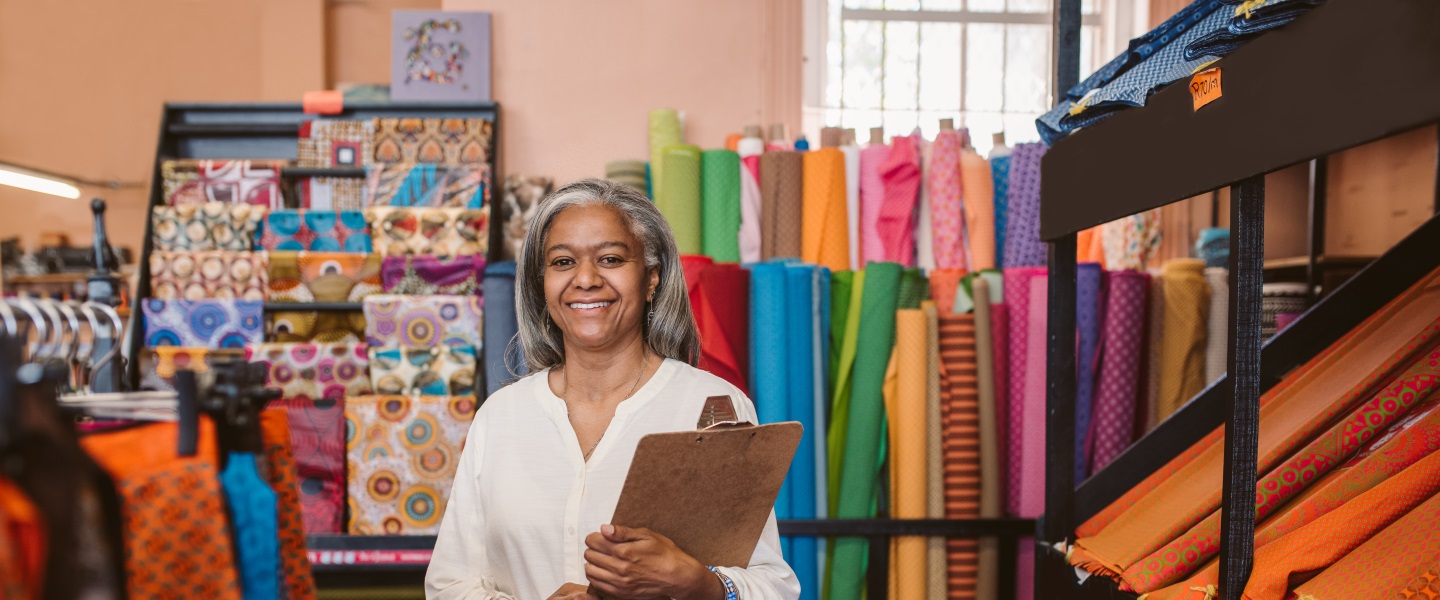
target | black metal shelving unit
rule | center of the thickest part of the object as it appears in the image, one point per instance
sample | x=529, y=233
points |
x=1347, y=73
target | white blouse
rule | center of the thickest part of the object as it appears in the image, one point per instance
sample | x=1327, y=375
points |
x=524, y=499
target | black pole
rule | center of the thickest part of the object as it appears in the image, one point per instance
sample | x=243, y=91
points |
x=1050, y=568
x=1319, y=175
x=1242, y=419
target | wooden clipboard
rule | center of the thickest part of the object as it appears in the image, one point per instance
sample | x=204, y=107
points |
x=710, y=490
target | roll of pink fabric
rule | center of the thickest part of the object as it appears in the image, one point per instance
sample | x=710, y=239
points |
x=872, y=197
x=750, y=149
x=946, y=220
x=896, y=222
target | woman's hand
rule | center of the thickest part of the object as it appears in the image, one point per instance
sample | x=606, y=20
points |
x=625, y=562
x=572, y=591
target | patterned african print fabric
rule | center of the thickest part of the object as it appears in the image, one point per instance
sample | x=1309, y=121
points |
x=436, y=141
x=409, y=184
x=209, y=226
x=402, y=455
x=319, y=327
x=165, y=498
x=1397, y=561
x=428, y=275
x=317, y=230
x=331, y=193
x=422, y=321
x=164, y=361
x=203, y=323
x=434, y=231
x=335, y=143
x=298, y=582
x=438, y=371
x=211, y=274
x=230, y=181
x=322, y=276
x=312, y=371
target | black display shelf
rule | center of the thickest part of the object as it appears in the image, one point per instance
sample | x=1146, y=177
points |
x=313, y=306
x=294, y=172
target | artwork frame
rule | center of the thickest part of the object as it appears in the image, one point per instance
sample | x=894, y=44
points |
x=440, y=56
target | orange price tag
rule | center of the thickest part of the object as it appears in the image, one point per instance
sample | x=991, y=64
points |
x=1205, y=87
x=325, y=102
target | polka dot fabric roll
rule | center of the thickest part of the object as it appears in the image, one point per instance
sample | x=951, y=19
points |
x=422, y=321
x=402, y=453
x=318, y=230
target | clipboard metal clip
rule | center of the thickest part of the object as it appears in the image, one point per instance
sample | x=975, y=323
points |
x=719, y=413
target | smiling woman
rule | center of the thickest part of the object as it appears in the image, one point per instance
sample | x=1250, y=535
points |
x=606, y=327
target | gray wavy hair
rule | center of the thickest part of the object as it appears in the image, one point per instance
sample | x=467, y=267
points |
x=671, y=332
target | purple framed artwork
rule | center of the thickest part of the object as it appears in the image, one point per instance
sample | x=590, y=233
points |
x=438, y=55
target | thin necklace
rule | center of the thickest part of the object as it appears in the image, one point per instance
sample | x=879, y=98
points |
x=565, y=374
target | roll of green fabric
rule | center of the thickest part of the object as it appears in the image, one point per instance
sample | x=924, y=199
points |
x=664, y=132
x=866, y=424
x=720, y=205
x=678, y=195
x=628, y=172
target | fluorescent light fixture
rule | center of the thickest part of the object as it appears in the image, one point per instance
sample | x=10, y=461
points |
x=36, y=182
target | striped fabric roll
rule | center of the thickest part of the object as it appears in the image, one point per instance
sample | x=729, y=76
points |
x=960, y=416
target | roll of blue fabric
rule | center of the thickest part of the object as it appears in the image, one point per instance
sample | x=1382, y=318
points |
x=1087, y=323
x=503, y=360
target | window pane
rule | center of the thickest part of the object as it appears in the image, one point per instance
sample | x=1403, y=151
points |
x=982, y=126
x=1087, y=51
x=1027, y=67
x=1029, y=6
x=1089, y=7
x=902, y=49
x=940, y=4
x=987, y=5
x=861, y=120
x=1020, y=127
x=985, y=67
x=863, y=74
x=864, y=3
x=902, y=4
x=834, y=57
x=940, y=66
x=899, y=122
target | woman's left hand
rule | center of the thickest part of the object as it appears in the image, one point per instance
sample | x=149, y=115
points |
x=626, y=562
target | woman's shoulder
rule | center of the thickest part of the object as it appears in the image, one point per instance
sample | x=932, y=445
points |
x=515, y=395
x=700, y=384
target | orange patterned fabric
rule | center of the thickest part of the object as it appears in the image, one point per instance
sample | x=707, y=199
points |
x=960, y=418
x=22, y=545
x=1425, y=587
x=280, y=472
x=1386, y=564
x=1290, y=415
x=823, y=237
x=177, y=545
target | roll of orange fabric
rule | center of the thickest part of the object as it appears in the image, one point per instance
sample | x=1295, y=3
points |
x=961, y=417
x=1387, y=563
x=908, y=423
x=824, y=238
x=979, y=185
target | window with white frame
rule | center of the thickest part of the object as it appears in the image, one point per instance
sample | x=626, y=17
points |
x=899, y=64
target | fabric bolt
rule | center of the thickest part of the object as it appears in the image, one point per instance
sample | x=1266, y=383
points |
x=782, y=175
x=1018, y=306
x=1000, y=348
x=924, y=220
x=1000, y=173
x=720, y=204
x=960, y=417
x=402, y=454
x=503, y=361
x=824, y=240
x=436, y=371
x=23, y=549
x=428, y=231
x=1293, y=476
x=423, y=321
x=412, y=185
x=335, y=143
x=189, y=182
x=1387, y=563
x=751, y=198
x=313, y=371
x=1117, y=390
x=166, y=498
x=908, y=425
x=860, y=466
x=331, y=193
x=872, y=200
x=665, y=131
x=298, y=582
x=947, y=219
x=987, y=583
x=852, y=203
x=1130, y=242
x=1155, y=340
x=895, y=219
x=1031, y=470
x=1301, y=406
x=433, y=275
x=1213, y=246
x=203, y=323
x=1023, y=247
x=1277, y=298
x=303, y=277
x=936, y=571
x=218, y=274
x=979, y=191
x=678, y=197
x=720, y=299
x=327, y=327
x=208, y=226
x=316, y=230
x=1088, y=302
x=805, y=284
x=1090, y=245
x=847, y=347
x=1217, y=328
x=255, y=517
x=446, y=141
x=628, y=172
x=943, y=286
x=1182, y=353
x=772, y=360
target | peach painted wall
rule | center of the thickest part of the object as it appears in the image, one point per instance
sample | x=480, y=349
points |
x=576, y=79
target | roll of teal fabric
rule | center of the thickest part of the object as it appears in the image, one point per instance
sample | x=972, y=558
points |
x=720, y=205
x=866, y=425
x=802, y=329
x=678, y=195
x=769, y=361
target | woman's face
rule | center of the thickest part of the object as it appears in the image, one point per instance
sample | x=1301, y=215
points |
x=596, y=282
